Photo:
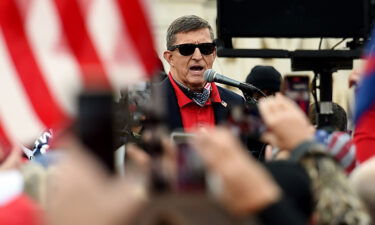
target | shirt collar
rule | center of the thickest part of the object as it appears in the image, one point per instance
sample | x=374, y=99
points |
x=183, y=100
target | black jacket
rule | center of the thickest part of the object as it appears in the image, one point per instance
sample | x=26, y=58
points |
x=172, y=112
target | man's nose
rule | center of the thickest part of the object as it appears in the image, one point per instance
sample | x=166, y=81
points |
x=197, y=54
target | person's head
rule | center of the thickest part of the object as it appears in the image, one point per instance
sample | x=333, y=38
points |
x=190, y=50
x=339, y=119
x=335, y=200
x=266, y=78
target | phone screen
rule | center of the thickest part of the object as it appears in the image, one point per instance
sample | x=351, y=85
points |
x=296, y=87
x=190, y=168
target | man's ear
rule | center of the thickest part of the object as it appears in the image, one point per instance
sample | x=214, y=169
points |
x=168, y=56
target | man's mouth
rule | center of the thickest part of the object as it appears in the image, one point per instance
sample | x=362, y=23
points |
x=196, y=68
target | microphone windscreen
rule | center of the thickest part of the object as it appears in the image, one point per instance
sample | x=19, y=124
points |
x=209, y=75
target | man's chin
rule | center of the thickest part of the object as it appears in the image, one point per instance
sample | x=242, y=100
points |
x=197, y=85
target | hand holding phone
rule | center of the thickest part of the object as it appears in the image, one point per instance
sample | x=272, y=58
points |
x=190, y=168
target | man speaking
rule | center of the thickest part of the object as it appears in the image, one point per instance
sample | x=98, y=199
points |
x=190, y=101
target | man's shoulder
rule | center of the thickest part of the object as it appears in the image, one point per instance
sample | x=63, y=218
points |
x=164, y=86
x=229, y=95
x=163, y=83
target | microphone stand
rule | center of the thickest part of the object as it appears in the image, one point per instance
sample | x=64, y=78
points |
x=248, y=92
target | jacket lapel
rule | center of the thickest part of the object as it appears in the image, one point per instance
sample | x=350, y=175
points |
x=173, y=116
x=221, y=111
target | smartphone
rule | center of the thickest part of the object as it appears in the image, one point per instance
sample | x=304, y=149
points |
x=297, y=88
x=246, y=121
x=190, y=169
x=95, y=126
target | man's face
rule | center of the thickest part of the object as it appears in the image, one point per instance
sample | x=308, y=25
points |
x=189, y=70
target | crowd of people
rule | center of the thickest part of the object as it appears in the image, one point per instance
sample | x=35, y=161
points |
x=306, y=175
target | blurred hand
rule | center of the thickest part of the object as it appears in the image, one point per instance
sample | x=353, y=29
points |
x=287, y=125
x=138, y=160
x=13, y=161
x=169, y=160
x=81, y=192
x=136, y=157
x=246, y=185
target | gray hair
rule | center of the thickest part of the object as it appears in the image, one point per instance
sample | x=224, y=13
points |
x=335, y=201
x=185, y=24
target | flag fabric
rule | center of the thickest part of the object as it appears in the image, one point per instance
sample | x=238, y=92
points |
x=52, y=49
x=364, y=115
x=365, y=93
x=340, y=146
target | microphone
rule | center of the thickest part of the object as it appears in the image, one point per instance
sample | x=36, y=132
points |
x=211, y=75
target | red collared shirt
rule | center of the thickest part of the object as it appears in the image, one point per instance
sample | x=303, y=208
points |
x=193, y=115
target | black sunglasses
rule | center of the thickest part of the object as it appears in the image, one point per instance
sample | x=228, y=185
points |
x=189, y=49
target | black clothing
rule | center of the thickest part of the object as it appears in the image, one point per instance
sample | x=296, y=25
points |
x=282, y=213
x=295, y=183
x=296, y=205
x=172, y=111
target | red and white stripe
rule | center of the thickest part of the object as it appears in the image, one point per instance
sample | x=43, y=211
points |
x=342, y=148
x=51, y=49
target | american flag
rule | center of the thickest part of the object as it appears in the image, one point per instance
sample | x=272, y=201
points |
x=365, y=96
x=51, y=49
x=364, y=135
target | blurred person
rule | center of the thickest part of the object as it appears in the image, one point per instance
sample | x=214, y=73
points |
x=363, y=183
x=81, y=191
x=340, y=146
x=259, y=194
x=339, y=143
x=174, y=209
x=295, y=183
x=284, y=120
x=190, y=100
x=364, y=136
x=247, y=188
x=266, y=78
x=339, y=121
x=16, y=207
x=35, y=181
x=364, y=113
x=335, y=201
